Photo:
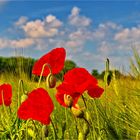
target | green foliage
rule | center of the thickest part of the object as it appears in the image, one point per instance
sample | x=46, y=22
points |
x=69, y=64
x=95, y=73
x=112, y=117
x=16, y=66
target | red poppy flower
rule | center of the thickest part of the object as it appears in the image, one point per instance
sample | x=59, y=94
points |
x=55, y=59
x=38, y=106
x=6, y=94
x=76, y=81
x=67, y=89
x=93, y=89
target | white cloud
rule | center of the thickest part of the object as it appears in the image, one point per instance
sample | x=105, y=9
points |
x=42, y=28
x=21, y=43
x=21, y=21
x=106, y=40
x=128, y=35
x=53, y=22
x=4, y=43
x=75, y=11
x=77, y=20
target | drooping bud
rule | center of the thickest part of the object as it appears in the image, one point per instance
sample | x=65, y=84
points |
x=51, y=81
x=77, y=112
x=68, y=100
x=23, y=97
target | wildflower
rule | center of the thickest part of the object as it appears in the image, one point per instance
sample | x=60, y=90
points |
x=67, y=95
x=55, y=62
x=76, y=81
x=38, y=106
x=5, y=94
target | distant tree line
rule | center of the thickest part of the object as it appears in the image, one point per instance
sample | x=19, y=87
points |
x=98, y=75
x=16, y=65
x=19, y=65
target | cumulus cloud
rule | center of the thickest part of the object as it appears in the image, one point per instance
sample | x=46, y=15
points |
x=107, y=39
x=77, y=20
x=40, y=28
x=128, y=34
x=4, y=43
x=21, y=21
x=21, y=43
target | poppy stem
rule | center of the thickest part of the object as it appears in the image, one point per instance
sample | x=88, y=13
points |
x=66, y=120
x=7, y=116
x=84, y=101
x=75, y=122
x=43, y=71
x=54, y=131
x=35, y=127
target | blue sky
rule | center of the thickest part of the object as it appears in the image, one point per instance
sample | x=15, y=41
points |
x=90, y=31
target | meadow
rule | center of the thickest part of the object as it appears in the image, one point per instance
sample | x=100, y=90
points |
x=113, y=116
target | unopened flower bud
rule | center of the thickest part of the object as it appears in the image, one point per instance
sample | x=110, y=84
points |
x=51, y=81
x=23, y=97
x=68, y=100
x=77, y=112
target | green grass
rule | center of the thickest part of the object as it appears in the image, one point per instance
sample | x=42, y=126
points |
x=114, y=116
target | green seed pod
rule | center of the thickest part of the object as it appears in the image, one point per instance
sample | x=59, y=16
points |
x=51, y=81
x=107, y=76
x=23, y=97
x=45, y=131
x=68, y=100
x=77, y=112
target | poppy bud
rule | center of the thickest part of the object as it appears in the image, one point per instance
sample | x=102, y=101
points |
x=23, y=97
x=77, y=112
x=45, y=131
x=68, y=100
x=51, y=81
x=107, y=76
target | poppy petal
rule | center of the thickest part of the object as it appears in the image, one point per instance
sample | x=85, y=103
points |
x=38, y=106
x=95, y=91
x=6, y=93
x=76, y=76
x=68, y=90
x=54, y=58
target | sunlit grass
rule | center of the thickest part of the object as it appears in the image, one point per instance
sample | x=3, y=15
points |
x=113, y=116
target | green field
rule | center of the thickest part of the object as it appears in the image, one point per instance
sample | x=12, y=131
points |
x=114, y=116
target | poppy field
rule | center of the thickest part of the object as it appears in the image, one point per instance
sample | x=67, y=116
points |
x=77, y=106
